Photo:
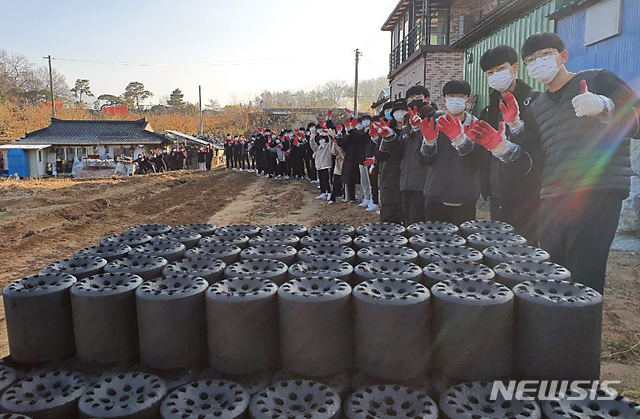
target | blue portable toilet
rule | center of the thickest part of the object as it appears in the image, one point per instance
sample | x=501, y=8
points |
x=18, y=162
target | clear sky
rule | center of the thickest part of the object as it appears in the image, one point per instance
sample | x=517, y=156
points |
x=243, y=46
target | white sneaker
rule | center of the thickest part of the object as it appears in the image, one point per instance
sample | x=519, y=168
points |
x=372, y=207
x=235, y=170
x=242, y=170
x=317, y=181
x=286, y=177
x=322, y=196
x=378, y=212
x=365, y=203
x=331, y=202
x=328, y=197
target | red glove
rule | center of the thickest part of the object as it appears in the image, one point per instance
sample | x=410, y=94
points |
x=297, y=131
x=279, y=146
x=486, y=136
x=369, y=162
x=384, y=129
x=329, y=114
x=373, y=131
x=470, y=127
x=322, y=124
x=429, y=130
x=414, y=118
x=349, y=112
x=295, y=142
x=450, y=126
x=286, y=154
x=339, y=128
x=509, y=108
x=347, y=124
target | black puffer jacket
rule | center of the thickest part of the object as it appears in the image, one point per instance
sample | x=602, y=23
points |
x=406, y=148
x=354, y=144
x=498, y=180
x=583, y=153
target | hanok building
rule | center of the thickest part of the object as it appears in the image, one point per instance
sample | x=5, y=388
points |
x=53, y=149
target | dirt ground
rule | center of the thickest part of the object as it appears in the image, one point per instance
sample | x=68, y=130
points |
x=42, y=221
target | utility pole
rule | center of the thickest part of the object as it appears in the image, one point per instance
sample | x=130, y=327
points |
x=355, y=94
x=200, y=100
x=53, y=100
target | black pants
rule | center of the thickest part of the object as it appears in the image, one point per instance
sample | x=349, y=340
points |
x=281, y=168
x=413, y=207
x=375, y=193
x=311, y=168
x=437, y=211
x=577, y=231
x=229, y=159
x=351, y=191
x=390, y=205
x=336, y=191
x=252, y=162
x=324, y=180
x=522, y=215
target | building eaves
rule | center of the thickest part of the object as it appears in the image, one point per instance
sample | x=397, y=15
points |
x=393, y=17
x=502, y=16
x=572, y=8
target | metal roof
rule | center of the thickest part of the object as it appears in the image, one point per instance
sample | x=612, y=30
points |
x=91, y=132
x=16, y=146
x=497, y=19
x=188, y=137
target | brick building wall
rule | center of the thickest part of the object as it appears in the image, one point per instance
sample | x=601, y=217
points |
x=432, y=72
x=442, y=67
x=476, y=8
x=410, y=76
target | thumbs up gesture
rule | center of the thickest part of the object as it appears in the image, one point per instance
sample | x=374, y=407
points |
x=590, y=104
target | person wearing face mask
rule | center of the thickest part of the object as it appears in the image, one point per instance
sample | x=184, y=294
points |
x=419, y=97
x=352, y=143
x=513, y=197
x=576, y=135
x=451, y=187
x=228, y=152
x=307, y=154
x=320, y=143
x=271, y=158
x=387, y=109
x=365, y=181
x=389, y=165
x=406, y=147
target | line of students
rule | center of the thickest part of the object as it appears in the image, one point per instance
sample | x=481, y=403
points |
x=554, y=164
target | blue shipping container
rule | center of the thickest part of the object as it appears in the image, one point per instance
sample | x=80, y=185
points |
x=18, y=163
x=618, y=54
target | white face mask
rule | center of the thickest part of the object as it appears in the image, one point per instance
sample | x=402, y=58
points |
x=366, y=123
x=544, y=69
x=359, y=127
x=312, y=129
x=456, y=105
x=501, y=81
x=399, y=115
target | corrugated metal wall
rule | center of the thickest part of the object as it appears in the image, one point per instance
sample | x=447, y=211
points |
x=513, y=34
x=618, y=54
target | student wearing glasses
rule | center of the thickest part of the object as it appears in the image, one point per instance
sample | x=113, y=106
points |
x=576, y=136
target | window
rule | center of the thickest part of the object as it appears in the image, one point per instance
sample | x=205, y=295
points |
x=604, y=20
x=39, y=156
x=439, y=13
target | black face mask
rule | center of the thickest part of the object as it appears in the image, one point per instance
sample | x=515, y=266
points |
x=417, y=103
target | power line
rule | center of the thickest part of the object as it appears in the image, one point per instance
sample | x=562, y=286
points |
x=184, y=63
x=373, y=66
